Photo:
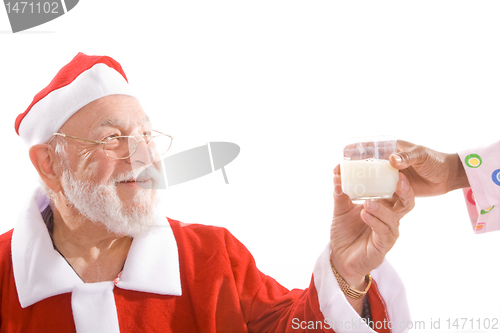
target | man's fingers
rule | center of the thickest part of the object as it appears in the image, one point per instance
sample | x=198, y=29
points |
x=406, y=196
x=383, y=214
x=403, y=199
x=341, y=201
x=385, y=232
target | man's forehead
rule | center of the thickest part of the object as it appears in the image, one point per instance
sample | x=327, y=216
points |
x=115, y=111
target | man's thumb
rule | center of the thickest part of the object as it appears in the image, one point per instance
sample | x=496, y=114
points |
x=342, y=202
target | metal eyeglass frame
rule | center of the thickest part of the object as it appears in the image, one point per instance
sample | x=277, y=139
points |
x=120, y=136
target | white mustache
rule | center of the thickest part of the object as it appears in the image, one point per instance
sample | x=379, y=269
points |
x=138, y=174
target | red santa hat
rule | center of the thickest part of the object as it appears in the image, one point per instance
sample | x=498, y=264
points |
x=83, y=80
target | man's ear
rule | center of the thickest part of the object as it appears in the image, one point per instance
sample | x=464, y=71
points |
x=44, y=159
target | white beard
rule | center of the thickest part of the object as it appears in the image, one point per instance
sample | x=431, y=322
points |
x=101, y=204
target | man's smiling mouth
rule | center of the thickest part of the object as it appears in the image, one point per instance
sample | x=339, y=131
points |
x=134, y=181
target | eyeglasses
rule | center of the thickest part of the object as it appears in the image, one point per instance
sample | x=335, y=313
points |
x=122, y=147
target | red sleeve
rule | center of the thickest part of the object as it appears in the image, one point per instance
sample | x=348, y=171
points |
x=220, y=275
x=378, y=309
x=270, y=307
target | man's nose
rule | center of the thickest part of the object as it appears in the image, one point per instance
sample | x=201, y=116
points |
x=143, y=155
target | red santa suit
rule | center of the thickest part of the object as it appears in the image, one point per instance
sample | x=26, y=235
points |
x=178, y=278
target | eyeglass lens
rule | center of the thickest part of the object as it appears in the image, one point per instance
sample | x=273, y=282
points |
x=125, y=146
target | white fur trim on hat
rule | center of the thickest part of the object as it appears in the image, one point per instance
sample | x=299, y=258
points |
x=48, y=115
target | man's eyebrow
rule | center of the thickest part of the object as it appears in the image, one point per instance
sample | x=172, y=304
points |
x=110, y=123
x=120, y=122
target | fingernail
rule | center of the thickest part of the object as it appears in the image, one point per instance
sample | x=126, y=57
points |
x=404, y=186
x=370, y=204
x=398, y=158
x=337, y=190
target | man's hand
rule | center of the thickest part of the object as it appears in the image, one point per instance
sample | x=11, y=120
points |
x=361, y=235
x=429, y=172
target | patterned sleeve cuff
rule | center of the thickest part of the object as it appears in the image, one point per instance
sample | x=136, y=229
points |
x=482, y=166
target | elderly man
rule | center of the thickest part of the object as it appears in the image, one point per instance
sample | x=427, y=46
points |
x=90, y=254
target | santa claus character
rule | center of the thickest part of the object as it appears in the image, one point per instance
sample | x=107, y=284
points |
x=90, y=254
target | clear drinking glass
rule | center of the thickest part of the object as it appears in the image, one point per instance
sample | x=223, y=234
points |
x=365, y=169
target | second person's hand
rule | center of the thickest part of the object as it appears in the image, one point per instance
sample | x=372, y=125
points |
x=429, y=172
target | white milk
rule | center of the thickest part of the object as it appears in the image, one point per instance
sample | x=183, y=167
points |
x=370, y=178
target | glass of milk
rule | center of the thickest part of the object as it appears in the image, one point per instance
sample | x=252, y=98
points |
x=365, y=169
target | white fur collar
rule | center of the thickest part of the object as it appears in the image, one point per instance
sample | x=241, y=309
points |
x=40, y=272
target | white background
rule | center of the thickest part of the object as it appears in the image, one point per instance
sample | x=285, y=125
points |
x=286, y=81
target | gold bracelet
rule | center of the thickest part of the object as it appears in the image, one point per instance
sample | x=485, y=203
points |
x=347, y=289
